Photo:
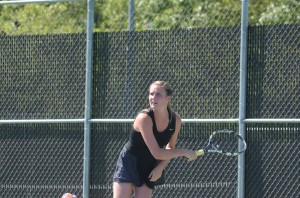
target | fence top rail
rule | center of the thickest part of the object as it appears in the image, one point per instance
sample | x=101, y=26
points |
x=272, y=120
x=183, y=120
x=41, y=121
x=34, y=1
x=110, y=121
x=292, y=120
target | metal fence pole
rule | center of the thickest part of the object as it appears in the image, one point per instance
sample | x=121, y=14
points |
x=242, y=96
x=131, y=14
x=129, y=90
x=88, y=92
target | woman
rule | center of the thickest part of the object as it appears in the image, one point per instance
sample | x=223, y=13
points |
x=151, y=145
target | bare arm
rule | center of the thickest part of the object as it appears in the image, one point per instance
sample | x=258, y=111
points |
x=172, y=143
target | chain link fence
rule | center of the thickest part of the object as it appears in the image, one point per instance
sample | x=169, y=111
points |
x=42, y=64
x=274, y=72
x=41, y=160
x=194, y=45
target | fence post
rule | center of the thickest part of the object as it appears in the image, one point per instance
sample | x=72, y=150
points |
x=131, y=14
x=129, y=89
x=88, y=92
x=242, y=96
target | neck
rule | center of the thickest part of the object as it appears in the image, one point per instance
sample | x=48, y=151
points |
x=161, y=113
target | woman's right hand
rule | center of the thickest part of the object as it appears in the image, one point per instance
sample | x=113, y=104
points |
x=190, y=155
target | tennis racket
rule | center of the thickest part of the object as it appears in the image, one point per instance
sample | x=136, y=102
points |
x=224, y=142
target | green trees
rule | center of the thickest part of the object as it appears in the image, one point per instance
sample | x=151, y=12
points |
x=42, y=18
x=274, y=12
x=112, y=15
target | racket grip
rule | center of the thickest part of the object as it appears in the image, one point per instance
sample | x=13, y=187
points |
x=200, y=152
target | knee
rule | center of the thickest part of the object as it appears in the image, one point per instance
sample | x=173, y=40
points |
x=143, y=192
x=122, y=190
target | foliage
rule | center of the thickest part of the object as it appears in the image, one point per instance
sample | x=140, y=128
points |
x=112, y=15
x=43, y=18
x=275, y=12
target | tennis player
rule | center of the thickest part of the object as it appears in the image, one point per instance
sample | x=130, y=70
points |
x=151, y=145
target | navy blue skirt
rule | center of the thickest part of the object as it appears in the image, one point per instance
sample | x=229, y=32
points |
x=127, y=171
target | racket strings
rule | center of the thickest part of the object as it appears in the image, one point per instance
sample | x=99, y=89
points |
x=226, y=142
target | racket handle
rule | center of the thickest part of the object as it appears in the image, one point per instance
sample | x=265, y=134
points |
x=200, y=152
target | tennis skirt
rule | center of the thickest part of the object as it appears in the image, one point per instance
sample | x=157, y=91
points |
x=127, y=171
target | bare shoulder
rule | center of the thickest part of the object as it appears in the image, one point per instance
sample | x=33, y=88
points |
x=142, y=115
x=142, y=120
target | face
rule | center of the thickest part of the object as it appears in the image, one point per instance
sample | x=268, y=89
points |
x=158, y=97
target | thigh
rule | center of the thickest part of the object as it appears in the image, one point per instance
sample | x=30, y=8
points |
x=122, y=190
x=143, y=191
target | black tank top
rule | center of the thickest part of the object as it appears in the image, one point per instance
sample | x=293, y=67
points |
x=137, y=146
x=136, y=141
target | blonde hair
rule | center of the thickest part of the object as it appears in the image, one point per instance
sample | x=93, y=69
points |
x=167, y=87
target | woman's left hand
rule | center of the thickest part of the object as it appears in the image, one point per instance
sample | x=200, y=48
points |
x=155, y=174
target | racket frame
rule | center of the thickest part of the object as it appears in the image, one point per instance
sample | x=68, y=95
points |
x=211, y=147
